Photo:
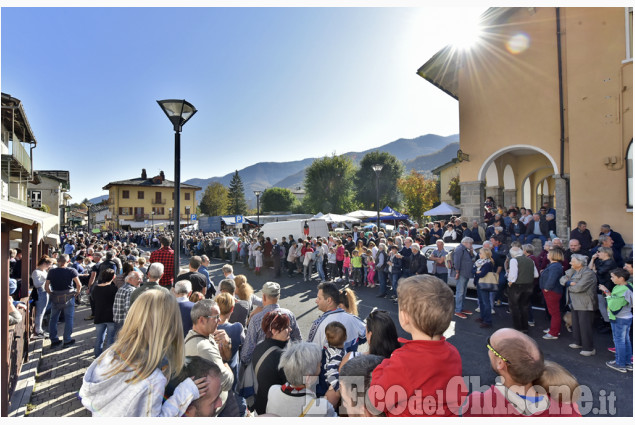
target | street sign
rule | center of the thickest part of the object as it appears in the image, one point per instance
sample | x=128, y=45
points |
x=145, y=222
x=239, y=219
x=193, y=218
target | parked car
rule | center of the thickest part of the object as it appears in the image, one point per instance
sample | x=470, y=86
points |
x=449, y=247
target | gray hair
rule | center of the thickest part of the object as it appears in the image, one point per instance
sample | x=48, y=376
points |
x=183, y=287
x=155, y=271
x=205, y=258
x=467, y=240
x=547, y=245
x=298, y=360
x=603, y=238
x=498, y=228
x=202, y=308
x=486, y=244
x=582, y=259
x=528, y=248
x=132, y=273
x=415, y=246
x=227, y=285
x=382, y=246
x=227, y=268
x=515, y=252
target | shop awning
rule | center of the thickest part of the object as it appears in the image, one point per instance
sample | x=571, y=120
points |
x=28, y=216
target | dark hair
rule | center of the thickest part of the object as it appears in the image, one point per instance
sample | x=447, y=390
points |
x=384, y=339
x=127, y=267
x=274, y=320
x=195, y=262
x=166, y=240
x=335, y=334
x=106, y=275
x=621, y=273
x=196, y=367
x=330, y=291
x=44, y=259
x=227, y=285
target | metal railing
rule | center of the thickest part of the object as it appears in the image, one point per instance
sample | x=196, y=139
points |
x=158, y=201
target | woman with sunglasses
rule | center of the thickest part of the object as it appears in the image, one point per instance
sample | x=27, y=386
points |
x=266, y=356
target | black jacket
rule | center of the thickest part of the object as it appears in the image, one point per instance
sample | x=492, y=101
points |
x=418, y=264
x=544, y=227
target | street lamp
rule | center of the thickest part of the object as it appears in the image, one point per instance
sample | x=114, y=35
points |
x=377, y=169
x=170, y=218
x=88, y=206
x=178, y=112
x=152, y=216
x=258, y=193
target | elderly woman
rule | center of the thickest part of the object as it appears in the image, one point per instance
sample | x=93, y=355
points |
x=438, y=258
x=482, y=267
x=602, y=263
x=301, y=363
x=582, y=293
x=381, y=267
x=552, y=291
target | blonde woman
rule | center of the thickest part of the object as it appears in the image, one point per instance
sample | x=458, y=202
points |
x=245, y=295
x=129, y=378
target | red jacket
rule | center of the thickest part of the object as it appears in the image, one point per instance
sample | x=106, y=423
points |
x=499, y=401
x=422, y=378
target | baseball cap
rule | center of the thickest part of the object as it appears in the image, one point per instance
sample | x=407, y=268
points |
x=271, y=289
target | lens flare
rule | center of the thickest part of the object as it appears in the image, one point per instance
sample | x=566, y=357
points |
x=518, y=43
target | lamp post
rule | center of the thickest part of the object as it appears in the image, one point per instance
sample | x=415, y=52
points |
x=178, y=112
x=258, y=193
x=88, y=205
x=152, y=217
x=377, y=169
x=170, y=218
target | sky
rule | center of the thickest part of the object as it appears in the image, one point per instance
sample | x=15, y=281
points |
x=270, y=84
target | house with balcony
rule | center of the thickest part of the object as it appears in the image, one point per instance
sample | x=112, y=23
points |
x=48, y=191
x=145, y=202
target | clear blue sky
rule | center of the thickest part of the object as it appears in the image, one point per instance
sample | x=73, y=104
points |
x=270, y=84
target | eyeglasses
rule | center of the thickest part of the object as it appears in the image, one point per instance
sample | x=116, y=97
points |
x=217, y=317
x=496, y=353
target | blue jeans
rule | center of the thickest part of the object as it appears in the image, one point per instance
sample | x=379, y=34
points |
x=520, y=238
x=461, y=291
x=320, y=270
x=100, y=336
x=485, y=305
x=69, y=312
x=531, y=237
x=394, y=277
x=621, y=336
x=40, y=308
x=382, y=282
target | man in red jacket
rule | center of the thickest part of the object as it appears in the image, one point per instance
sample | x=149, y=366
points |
x=517, y=359
x=165, y=256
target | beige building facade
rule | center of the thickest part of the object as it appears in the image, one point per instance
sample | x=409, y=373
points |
x=546, y=113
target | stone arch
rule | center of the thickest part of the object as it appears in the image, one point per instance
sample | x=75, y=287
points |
x=486, y=164
x=509, y=181
x=491, y=176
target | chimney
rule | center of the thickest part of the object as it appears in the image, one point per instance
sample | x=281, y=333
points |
x=162, y=175
x=144, y=175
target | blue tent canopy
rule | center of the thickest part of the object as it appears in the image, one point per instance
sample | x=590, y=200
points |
x=394, y=215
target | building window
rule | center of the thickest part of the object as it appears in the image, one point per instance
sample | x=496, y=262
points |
x=187, y=196
x=629, y=176
x=158, y=210
x=629, y=33
x=140, y=194
x=124, y=210
x=125, y=194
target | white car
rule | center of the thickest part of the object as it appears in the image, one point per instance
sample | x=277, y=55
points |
x=449, y=247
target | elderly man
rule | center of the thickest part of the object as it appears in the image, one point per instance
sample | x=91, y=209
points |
x=255, y=334
x=538, y=228
x=59, y=286
x=462, y=259
x=418, y=262
x=207, y=341
x=582, y=235
x=574, y=248
x=520, y=278
x=517, y=359
x=122, y=298
x=616, y=242
x=155, y=271
x=182, y=290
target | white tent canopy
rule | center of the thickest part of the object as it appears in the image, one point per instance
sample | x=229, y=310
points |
x=443, y=209
x=336, y=218
x=362, y=214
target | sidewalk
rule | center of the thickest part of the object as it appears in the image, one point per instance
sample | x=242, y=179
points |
x=61, y=370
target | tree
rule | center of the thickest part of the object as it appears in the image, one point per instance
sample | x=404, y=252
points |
x=236, y=196
x=455, y=190
x=214, y=200
x=366, y=180
x=328, y=183
x=277, y=199
x=420, y=194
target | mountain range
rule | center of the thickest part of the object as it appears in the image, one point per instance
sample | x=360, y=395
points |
x=422, y=154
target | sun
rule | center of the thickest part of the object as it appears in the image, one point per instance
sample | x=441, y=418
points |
x=465, y=29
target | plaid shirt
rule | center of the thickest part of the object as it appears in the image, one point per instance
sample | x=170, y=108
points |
x=122, y=303
x=165, y=256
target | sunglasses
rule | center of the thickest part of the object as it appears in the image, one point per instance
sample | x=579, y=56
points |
x=496, y=353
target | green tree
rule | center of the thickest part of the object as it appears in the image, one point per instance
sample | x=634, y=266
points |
x=236, y=196
x=277, y=199
x=420, y=194
x=214, y=200
x=366, y=181
x=328, y=183
x=455, y=190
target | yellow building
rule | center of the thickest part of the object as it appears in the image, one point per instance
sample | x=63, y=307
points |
x=546, y=113
x=445, y=173
x=132, y=202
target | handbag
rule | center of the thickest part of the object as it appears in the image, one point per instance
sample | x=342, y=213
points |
x=489, y=282
x=248, y=379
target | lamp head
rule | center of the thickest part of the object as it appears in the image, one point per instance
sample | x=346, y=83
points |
x=178, y=111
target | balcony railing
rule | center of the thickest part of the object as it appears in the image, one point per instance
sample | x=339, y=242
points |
x=141, y=217
x=19, y=156
x=158, y=201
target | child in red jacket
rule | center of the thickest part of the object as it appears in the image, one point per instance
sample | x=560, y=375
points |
x=422, y=377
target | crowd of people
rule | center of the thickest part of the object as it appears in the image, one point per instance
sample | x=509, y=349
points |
x=182, y=345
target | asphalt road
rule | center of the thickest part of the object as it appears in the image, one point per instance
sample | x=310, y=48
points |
x=609, y=393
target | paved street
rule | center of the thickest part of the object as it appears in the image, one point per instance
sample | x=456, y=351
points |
x=61, y=370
